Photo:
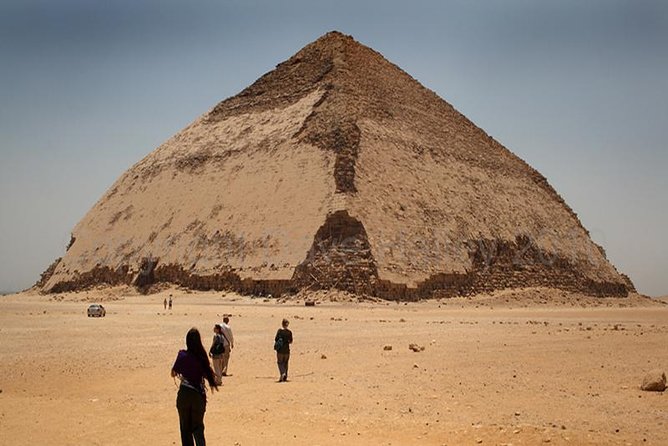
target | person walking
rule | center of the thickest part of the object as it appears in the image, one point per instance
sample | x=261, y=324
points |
x=282, y=342
x=164, y=303
x=217, y=352
x=228, y=338
x=192, y=368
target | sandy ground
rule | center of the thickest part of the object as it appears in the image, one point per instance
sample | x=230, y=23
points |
x=502, y=375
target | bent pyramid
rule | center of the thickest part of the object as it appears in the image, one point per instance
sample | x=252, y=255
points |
x=335, y=170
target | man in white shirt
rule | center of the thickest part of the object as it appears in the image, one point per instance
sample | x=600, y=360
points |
x=228, y=339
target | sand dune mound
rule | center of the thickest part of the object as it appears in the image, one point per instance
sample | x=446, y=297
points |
x=335, y=170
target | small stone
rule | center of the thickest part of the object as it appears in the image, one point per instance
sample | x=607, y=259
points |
x=415, y=366
x=323, y=356
x=654, y=381
x=387, y=347
x=416, y=348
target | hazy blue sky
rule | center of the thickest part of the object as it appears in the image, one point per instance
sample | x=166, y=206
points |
x=579, y=89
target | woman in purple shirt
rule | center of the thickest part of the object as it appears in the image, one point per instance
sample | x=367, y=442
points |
x=192, y=367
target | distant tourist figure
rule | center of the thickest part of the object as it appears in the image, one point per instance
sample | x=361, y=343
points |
x=164, y=303
x=282, y=343
x=192, y=368
x=170, y=301
x=217, y=352
x=228, y=338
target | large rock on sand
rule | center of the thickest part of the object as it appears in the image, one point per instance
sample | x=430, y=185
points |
x=654, y=381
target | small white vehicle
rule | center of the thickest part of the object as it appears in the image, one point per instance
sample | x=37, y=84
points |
x=96, y=310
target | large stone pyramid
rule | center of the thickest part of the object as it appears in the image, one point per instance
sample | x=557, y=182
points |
x=336, y=169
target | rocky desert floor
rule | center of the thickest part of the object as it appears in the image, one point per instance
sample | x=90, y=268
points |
x=515, y=368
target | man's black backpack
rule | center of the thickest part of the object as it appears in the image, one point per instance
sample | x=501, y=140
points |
x=217, y=348
x=279, y=343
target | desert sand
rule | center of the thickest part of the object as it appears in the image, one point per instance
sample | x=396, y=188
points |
x=504, y=369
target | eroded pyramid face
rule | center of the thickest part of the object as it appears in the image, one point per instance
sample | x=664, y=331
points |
x=337, y=169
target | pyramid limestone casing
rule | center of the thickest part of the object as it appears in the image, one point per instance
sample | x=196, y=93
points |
x=337, y=169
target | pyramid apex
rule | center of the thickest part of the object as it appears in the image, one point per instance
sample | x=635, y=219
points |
x=334, y=42
x=335, y=35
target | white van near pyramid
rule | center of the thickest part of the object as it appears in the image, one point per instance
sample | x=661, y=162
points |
x=335, y=170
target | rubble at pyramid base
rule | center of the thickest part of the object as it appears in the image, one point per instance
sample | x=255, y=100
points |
x=437, y=286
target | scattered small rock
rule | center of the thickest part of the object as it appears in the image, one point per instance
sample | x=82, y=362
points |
x=416, y=348
x=654, y=381
x=323, y=356
x=387, y=347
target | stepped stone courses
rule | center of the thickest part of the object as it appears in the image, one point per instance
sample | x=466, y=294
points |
x=335, y=170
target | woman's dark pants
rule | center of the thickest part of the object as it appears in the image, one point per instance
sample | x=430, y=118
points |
x=282, y=360
x=191, y=406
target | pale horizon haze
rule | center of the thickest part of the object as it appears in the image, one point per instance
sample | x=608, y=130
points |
x=579, y=90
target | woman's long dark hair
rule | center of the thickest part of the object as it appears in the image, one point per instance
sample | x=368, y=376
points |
x=194, y=347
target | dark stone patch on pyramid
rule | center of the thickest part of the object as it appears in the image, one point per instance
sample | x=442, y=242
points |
x=340, y=257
